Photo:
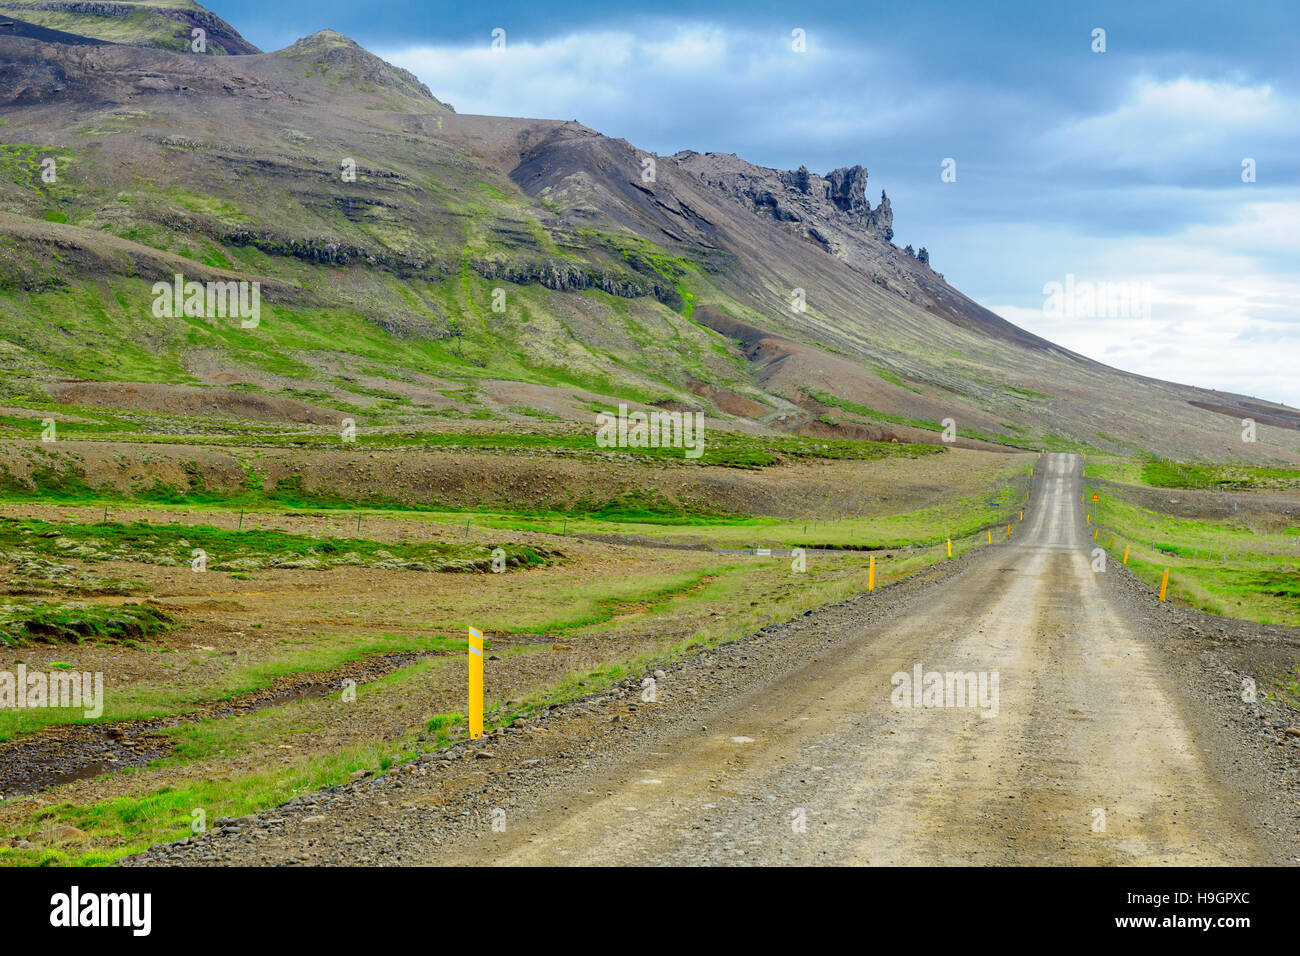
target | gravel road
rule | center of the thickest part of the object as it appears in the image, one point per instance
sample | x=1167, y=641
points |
x=1115, y=734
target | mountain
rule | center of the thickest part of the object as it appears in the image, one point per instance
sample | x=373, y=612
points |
x=417, y=264
x=168, y=24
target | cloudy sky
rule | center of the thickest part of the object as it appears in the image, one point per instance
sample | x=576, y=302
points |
x=1123, y=167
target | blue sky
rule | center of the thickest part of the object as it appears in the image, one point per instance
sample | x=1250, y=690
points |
x=1121, y=168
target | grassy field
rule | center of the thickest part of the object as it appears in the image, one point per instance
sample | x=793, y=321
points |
x=1164, y=473
x=1226, y=565
x=237, y=550
x=725, y=448
x=961, y=518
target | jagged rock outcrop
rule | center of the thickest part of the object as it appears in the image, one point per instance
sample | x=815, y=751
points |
x=820, y=205
x=847, y=189
x=563, y=277
x=882, y=218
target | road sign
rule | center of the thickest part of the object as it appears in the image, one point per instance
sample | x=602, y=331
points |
x=475, y=683
x=1094, y=497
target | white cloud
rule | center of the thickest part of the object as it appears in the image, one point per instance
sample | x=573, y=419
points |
x=1218, y=318
x=676, y=80
x=698, y=50
x=1172, y=121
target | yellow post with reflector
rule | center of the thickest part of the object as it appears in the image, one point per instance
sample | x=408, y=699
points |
x=990, y=535
x=871, y=573
x=1008, y=531
x=1126, y=547
x=950, y=547
x=475, y=683
x=1022, y=516
x=1164, y=584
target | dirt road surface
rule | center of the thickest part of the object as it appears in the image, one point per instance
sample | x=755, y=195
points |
x=801, y=753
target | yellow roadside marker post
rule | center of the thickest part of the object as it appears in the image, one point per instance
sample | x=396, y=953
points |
x=1095, y=532
x=1087, y=519
x=1112, y=542
x=990, y=535
x=871, y=574
x=950, y=547
x=1126, y=547
x=1022, y=515
x=1008, y=531
x=1164, y=584
x=475, y=683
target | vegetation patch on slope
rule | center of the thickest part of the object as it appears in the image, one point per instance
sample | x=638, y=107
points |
x=242, y=551
x=21, y=624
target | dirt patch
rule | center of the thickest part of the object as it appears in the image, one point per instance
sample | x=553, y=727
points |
x=191, y=400
x=71, y=752
x=733, y=403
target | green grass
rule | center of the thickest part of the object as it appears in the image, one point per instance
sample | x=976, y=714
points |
x=244, y=550
x=323, y=652
x=133, y=823
x=100, y=425
x=25, y=623
x=1285, y=687
x=922, y=526
x=725, y=448
x=1163, y=473
x=1222, y=567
